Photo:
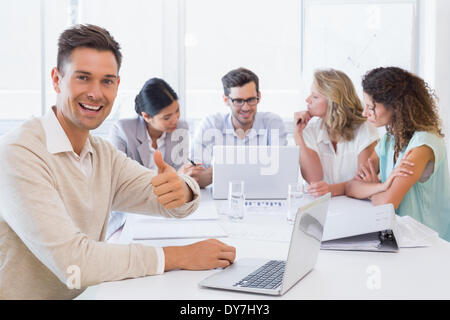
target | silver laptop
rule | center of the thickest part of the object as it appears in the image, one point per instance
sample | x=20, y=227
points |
x=276, y=277
x=266, y=170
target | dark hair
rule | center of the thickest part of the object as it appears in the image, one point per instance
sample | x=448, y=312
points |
x=238, y=78
x=86, y=36
x=412, y=102
x=155, y=95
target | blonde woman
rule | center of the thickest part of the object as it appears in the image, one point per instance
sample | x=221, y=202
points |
x=334, y=137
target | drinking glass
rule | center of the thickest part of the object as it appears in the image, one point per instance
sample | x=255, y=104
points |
x=236, y=200
x=295, y=200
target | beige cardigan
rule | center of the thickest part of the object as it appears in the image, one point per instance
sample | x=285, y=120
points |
x=53, y=219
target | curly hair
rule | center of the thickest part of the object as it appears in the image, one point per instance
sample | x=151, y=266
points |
x=412, y=102
x=344, y=112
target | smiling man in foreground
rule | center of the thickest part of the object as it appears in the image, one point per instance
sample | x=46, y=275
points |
x=58, y=185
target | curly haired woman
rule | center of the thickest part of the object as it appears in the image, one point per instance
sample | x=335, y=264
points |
x=334, y=137
x=411, y=157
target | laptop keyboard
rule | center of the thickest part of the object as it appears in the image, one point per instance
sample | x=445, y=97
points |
x=269, y=276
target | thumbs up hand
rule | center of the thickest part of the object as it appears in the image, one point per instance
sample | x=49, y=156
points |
x=171, y=191
x=160, y=163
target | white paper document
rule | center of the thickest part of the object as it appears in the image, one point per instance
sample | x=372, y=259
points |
x=364, y=242
x=349, y=217
x=413, y=234
x=161, y=229
x=276, y=229
x=206, y=211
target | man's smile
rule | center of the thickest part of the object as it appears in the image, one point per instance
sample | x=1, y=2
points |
x=90, y=108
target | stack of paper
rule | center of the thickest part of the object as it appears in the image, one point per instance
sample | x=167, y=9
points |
x=206, y=211
x=160, y=229
x=203, y=223
x=413, y=234
x=354, y=225
x=364, y=242
x=277, y=230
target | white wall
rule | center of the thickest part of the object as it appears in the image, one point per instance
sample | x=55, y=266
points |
x=442, y=61
x=442, y=64
x=434, y=55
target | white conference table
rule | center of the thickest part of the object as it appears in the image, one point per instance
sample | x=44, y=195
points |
x=411, y=273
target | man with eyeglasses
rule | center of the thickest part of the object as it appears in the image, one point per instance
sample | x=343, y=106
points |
x=243, y=125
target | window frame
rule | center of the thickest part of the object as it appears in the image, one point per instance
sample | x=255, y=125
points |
x=173, y=47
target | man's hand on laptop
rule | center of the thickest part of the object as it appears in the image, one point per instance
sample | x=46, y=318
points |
x=203, y=255
x=171, y=190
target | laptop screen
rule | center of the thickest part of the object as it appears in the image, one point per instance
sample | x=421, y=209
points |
x=305, y=240
x=266, y=170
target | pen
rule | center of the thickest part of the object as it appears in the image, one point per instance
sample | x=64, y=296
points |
x=193, y=163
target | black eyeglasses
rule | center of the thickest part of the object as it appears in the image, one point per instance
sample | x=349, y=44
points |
x=238, y=102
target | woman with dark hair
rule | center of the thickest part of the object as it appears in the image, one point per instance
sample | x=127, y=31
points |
x=411, y=157
x=156, y=127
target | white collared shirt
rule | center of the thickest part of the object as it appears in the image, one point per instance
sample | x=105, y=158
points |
x=217, y=129
x=58, y=142
x=160, y=145
x=340, y=165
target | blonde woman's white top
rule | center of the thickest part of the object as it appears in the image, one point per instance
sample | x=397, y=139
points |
x=340, y=165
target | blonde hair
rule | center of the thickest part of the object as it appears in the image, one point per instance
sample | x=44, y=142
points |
x=344, y=112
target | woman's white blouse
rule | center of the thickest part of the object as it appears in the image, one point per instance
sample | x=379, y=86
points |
x=340, y=165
